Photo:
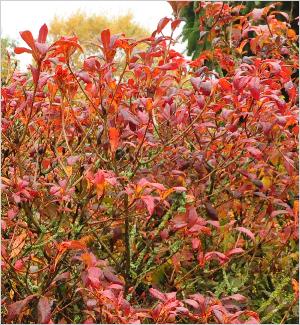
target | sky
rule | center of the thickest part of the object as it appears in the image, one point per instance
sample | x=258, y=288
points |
x=31, y=15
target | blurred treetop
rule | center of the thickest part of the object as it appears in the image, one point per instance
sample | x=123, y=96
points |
x=8, y=60
x=88, y=27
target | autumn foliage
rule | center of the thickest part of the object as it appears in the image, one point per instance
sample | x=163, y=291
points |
x=152, y=189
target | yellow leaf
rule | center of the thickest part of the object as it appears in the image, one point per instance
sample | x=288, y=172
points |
x=267, y=182
x=69, y=170
x=169, y=261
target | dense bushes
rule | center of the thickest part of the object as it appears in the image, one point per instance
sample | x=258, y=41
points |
x=151, y=189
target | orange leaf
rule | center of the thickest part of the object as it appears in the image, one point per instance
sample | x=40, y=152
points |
x=18, y=244
x=291, y=34
x=240, y=48
x=114, y=137
x=167, y=193
x=295, y=286
x=296, y=208
x=100, y=183
x=63, y=246
x=87, y=259
x=72, y=244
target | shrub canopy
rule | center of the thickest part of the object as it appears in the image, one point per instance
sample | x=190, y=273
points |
x=152, y=189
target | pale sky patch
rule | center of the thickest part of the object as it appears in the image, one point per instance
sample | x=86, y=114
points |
x=31, y=15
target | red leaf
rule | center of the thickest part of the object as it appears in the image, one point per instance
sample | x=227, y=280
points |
x=84, y=76
x=112, y=277
x=233, y=251
x=19, y=265
x=195, y=82
x=278, y=212
x=43, y=34
x=254, y=86
x=20, y=50
x=225, y=85
x=256, y=153
x=216, y=255
x=179, y=221
x=164, y=234
x=15, y=309
x=211, y=211
x=291, y=89
x=35, y=74
x=236, y=297
x=239, y=82
x=16, y=198
x=44, y=310
x=62, y=277
x=28, y=38
x=192, y=303
x=105, y=38
x=204, y=86
x=72, y=160
x=149, y=201
x=99, y=178
x=114, y=137
x=175, y=23
x=192, y=216
x=162, y=24
x=246, y=231
x=116, y=286
x=289, y=165
x=257, y=13
x=94, y=274
x=169, y=66
x=157, y=294
x=42, y=48
x=68, y=44
x=196, y=243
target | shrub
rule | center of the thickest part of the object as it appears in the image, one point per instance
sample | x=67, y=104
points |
x=159, y=191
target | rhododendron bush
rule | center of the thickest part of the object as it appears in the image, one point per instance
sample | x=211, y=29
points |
x=143, y=187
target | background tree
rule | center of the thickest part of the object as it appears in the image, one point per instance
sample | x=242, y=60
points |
x=191, y=12
x=88, y=27
x=8, y=60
